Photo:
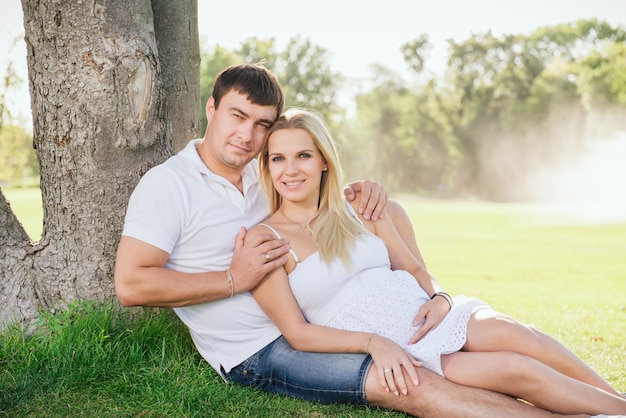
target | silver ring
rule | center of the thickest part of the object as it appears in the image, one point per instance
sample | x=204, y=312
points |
x=267, y=258
x=387, y=370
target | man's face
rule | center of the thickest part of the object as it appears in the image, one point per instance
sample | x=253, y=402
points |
x=236, y=131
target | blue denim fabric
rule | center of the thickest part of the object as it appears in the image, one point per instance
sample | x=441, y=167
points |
x=318, y=377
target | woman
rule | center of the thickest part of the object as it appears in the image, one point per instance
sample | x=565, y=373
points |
x=353, y=286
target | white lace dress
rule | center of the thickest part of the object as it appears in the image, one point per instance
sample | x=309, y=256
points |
x=370, y=297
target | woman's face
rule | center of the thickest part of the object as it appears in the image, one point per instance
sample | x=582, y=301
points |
x=295, y=165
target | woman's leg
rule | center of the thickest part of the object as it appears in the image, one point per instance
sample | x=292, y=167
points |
x=489, y=330
x=524, y=377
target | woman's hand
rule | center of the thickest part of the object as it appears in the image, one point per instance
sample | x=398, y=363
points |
x=389, y=359
x=431, y=314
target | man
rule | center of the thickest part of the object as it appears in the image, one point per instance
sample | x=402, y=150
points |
x=177, y=251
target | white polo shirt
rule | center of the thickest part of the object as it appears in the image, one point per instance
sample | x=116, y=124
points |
x=194, y=215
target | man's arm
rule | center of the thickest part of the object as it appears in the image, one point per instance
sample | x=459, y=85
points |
x=404, y=226
x=372, y=198
x=141, y=277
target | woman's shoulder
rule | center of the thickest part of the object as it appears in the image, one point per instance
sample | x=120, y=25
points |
x=262, y=228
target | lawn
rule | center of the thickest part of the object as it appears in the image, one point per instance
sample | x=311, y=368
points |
x=542, y=266
x=26, y=203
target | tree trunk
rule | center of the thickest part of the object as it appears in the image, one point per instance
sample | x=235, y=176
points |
x=100, y=120
x=179, y=55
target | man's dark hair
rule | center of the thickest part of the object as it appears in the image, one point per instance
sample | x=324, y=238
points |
x=254, y=80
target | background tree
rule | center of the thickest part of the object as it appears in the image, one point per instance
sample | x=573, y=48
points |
x=9, y=80
x=303, y=69
x=214, y=60
x=505, y=107
x=516, y=103
x=17, y=159
x=414, y=52
x=18, y=162
x=102, y=96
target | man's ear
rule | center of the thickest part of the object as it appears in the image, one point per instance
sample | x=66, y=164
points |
x=210, y=107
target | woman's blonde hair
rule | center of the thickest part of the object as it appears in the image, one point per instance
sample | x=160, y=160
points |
x=334, y=228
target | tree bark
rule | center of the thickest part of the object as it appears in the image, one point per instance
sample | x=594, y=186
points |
x=179, y=55
x=100, y=120
x=16, y=269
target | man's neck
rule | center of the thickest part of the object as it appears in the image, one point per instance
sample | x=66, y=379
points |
x=234, y=176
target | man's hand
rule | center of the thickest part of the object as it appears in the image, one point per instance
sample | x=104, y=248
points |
x=254, y=257
x=373, y=198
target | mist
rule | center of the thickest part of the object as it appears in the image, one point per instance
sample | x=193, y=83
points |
x=588, y=186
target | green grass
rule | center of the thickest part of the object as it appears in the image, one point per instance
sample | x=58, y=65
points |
x=565, y=278
x=545, y=268
x=104, y=361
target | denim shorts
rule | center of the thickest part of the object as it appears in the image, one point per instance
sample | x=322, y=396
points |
x=318, y=377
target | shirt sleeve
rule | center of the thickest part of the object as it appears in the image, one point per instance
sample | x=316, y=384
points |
x=156, y=210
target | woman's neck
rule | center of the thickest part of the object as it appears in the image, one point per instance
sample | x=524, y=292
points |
x=295, y=214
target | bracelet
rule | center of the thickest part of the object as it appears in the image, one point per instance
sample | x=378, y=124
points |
x=230, y=281
x=367, y=345
x=443, y=295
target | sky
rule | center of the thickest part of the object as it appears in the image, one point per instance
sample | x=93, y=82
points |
x=357, y=33
x=360, y=32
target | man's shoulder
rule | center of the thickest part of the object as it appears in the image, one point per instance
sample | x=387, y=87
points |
x=176, y=165
x=166, y=170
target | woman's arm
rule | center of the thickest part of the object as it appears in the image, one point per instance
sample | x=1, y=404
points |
x=275, y=297
x=403, y=257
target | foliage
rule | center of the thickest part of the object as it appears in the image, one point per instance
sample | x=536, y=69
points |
x=506, y=106
x=304, y=71
x=9, y=80
x=302, y=68
x=603, y=76
x=18, y=160
x=414, y=52
x=213, y=60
